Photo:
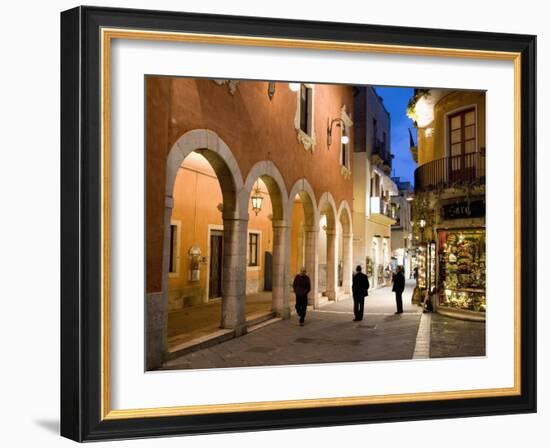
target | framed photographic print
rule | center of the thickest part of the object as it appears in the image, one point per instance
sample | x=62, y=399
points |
x=276, y=224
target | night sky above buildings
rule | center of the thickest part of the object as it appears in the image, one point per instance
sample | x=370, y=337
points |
x=395, y=102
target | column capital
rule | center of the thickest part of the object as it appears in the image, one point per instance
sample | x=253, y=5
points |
x=311, y=229
x=279, y=223
x=330, y=232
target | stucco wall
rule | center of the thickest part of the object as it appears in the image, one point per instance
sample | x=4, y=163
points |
x=196, y=196
x=436, y=146
x=253, y=127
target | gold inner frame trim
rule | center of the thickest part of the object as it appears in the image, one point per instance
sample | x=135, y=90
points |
x=107, y=35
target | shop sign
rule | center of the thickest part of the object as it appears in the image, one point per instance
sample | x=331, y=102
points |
x=463, y=210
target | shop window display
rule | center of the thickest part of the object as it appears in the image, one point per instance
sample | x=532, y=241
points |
x=462, y=266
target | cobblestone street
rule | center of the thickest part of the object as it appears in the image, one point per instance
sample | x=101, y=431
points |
x=330, y=335
x=454, y=337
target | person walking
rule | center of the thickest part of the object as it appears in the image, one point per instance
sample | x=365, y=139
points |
x=302, y=286
x=360, y=288
x=398, y=287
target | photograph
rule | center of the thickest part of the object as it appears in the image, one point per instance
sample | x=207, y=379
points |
x=276, y=224
x=293, y=223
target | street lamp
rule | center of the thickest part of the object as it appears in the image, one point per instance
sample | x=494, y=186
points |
x=257, y=199
x=339, y=123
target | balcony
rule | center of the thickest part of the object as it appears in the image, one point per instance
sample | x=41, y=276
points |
x=381, y=211
x=381, y=155
x=449, y=172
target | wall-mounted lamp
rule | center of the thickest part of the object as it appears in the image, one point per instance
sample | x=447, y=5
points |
x=257, y=199
x=340, y=124
x=294, y=86
x=422, y=223
x=271, y=89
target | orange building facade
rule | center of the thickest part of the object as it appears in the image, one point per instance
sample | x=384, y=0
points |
x=211, y=145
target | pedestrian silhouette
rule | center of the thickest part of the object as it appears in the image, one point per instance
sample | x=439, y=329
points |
x=360, y=288
x=398, y=287
x=302, y=286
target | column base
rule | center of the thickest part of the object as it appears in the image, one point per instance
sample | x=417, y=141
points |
x=156, y=332
x=283, y=313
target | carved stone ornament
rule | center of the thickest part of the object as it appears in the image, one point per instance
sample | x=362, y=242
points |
x=346, y=172
x=306, y=140
x=231, y=84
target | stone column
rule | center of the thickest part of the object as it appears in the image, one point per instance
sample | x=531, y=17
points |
x=348, y=267
x=312, y=262
x=331, y=264
x=156, y=307
x=234, y=274
x=279, y=290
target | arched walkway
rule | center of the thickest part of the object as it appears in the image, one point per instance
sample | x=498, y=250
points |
x=344, y=218
x=308, y=245
x=210, y=146
x=272, y=178
x=327, y=208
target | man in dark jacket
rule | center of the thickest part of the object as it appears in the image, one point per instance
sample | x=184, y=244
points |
x=302, y=286
x=398, y=288
x=360, y=288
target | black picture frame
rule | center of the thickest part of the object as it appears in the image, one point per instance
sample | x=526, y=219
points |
x=81, y=224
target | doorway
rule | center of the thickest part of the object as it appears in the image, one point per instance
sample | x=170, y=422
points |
x=216, y=264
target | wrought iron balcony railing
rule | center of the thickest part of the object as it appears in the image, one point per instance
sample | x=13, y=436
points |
x=450, y=171
x=381, y=153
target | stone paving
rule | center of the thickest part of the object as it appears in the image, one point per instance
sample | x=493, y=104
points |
x=199, y=320
x=456, y=338
x=328, y=336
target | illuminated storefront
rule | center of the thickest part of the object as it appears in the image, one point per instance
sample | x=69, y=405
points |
x=462, y=268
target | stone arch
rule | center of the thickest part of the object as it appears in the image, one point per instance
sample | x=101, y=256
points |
x=327, y=207
x=344, y=217
x=268, y=172
x=222, y=160
x=303, y=188
x=215, y=150
x=310, y=237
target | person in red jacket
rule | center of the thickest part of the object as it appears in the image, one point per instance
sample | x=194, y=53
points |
x=302, y=286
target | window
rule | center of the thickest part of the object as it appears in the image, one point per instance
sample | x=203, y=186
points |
x=344, y=152
x=253, y=239
x=305, y=108
x=462, y=133
x=172, y=267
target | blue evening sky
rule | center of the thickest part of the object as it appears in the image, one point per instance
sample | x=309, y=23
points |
x=395, y=102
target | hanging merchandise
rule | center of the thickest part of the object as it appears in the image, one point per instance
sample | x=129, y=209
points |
x=421, y=259
x=462, y=268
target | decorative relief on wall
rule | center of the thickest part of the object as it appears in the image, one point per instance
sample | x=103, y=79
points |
x=231, y=84
x=306, y=140
x=345, y=172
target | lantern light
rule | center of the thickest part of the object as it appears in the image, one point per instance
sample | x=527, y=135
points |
x=257, y=199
